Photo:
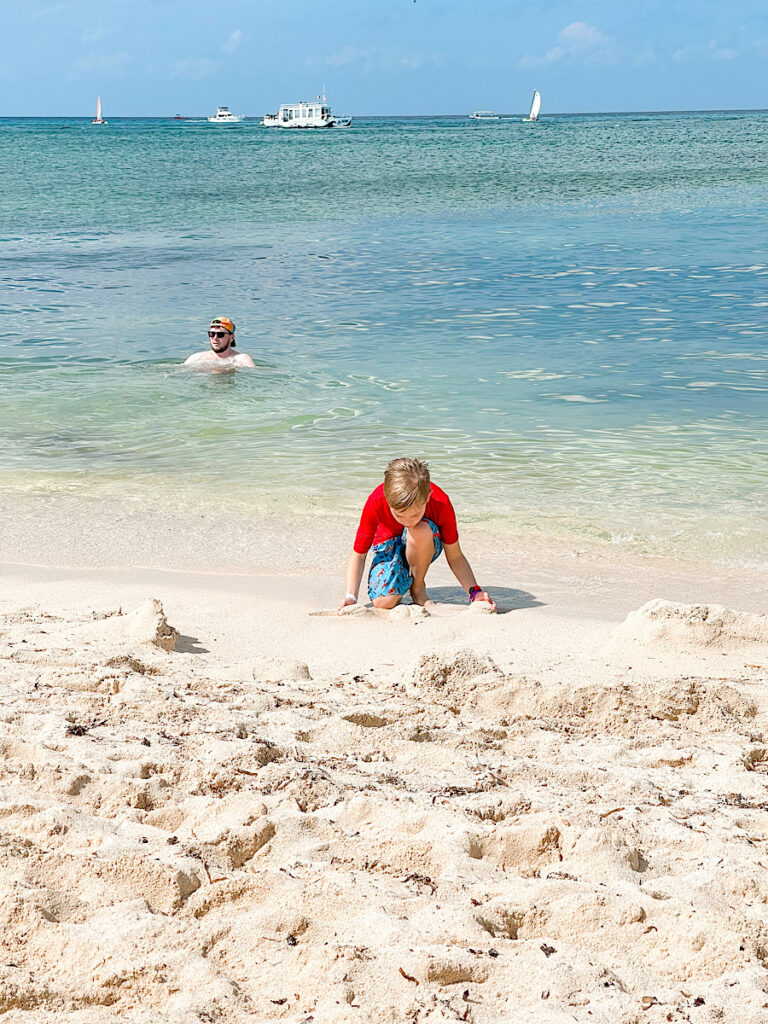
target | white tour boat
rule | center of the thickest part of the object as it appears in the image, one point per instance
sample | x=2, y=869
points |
x=99, y=119
x=306, y=114
x=535, y=107
x=224, y=115
x=485, y=115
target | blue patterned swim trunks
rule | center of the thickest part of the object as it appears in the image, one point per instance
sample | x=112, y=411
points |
x=390, y=572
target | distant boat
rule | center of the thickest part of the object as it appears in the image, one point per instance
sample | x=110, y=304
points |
x=179, y=117
x=484, y=115
x=99, y=119
x=224, y=115
x=535, y=107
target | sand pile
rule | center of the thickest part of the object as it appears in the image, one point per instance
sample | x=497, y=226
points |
x=452, y=840
x=688, y=626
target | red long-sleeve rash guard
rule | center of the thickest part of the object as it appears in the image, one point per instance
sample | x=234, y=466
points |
x=377, y=523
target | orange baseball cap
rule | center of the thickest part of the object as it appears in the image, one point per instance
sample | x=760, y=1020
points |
x=225, y=322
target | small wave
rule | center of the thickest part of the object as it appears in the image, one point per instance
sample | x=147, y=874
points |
x=578, y=398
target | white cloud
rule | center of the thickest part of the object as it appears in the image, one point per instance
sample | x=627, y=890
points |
x=193, y=67
x=720, y=52
x=577, y=41
x=375, y=58
x=108, y=64
x=233, y=41
x=51, y=11
x=646, y=56
x=94, y=35
x=713, y=51
x=581, y=36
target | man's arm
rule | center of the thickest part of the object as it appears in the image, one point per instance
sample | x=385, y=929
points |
x=243, y=359
x=462, y=570
x=196, y=357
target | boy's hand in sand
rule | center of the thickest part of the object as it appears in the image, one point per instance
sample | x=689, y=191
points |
x=349, y=599
x=485, y=597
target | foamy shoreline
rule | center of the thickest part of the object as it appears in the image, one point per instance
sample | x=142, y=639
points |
x=546, y=815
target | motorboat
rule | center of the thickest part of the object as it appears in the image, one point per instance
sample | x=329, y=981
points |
x=305, y=114
x=224, y=115
x=484, y=115
x=99, y=119
x=535, y=107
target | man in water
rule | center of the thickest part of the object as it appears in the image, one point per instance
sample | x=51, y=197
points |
x=221, y=355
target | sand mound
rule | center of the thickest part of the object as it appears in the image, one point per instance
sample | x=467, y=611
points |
x=450, y=670
x=278, y=670
x=146, y=624
x=687, y=626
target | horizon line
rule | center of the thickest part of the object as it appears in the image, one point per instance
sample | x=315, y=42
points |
x=560, y=113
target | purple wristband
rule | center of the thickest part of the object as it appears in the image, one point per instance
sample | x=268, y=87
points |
x=474, y=593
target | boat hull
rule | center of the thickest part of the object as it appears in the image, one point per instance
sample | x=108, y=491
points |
x=270, y=122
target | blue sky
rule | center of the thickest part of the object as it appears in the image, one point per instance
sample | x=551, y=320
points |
x=161, y=57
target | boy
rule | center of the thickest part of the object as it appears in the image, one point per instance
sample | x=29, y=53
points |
x=408, y=520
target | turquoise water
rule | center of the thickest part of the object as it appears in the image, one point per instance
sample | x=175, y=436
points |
x=568, y=320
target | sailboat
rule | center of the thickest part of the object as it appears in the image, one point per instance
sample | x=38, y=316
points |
x=535, y=107
x=99, y=119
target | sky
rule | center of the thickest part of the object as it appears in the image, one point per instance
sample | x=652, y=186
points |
x=379, y=57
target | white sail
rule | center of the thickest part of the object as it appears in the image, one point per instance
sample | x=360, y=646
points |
x=98, y=119
x=535, y=106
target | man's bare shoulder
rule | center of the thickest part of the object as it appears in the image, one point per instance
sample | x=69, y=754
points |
x=198, y=357
x=243, y=359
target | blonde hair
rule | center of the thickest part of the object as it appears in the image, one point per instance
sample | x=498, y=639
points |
x=406, y=483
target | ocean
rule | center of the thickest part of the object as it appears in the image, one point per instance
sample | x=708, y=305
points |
x=568, y=320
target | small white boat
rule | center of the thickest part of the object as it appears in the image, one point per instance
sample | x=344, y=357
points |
x=99, y=119
x=535, y=107
x=224, y=115
x=305, y=114
x=484, y=115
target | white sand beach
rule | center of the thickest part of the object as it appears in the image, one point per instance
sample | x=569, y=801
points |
x=219, y=805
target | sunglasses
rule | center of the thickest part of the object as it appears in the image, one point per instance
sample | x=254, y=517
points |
x=217, y=334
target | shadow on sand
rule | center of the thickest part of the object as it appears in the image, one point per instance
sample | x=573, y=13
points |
x=507, y=599
x=189, y=645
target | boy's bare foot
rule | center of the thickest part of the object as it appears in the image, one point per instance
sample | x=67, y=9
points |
x=420, y=596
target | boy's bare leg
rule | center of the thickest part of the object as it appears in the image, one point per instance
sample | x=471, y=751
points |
x=388, y=601
x=419, y=549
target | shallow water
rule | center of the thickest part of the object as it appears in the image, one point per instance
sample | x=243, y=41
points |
x=568, y=320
